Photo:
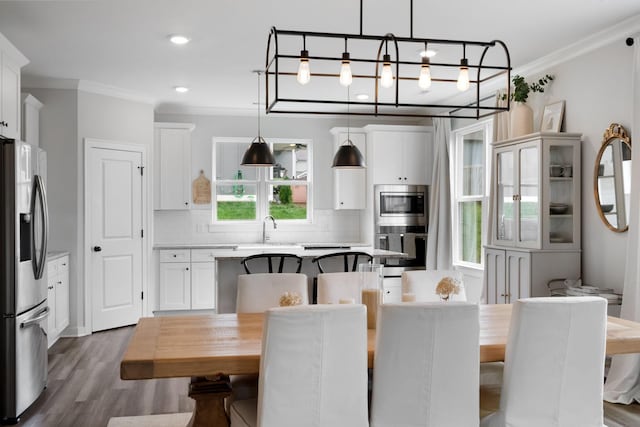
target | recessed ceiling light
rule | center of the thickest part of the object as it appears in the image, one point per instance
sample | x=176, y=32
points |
x=429, y=53
x=362, y=96
x=178, y=39
x=181, y=89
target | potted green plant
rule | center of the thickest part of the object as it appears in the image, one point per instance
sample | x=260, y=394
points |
x=521, y=113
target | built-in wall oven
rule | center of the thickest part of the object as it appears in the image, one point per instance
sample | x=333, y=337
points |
x=401, y=221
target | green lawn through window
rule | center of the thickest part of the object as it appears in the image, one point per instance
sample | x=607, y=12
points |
x=247, y=211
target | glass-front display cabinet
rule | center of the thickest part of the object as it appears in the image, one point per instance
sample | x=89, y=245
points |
x=536, y=181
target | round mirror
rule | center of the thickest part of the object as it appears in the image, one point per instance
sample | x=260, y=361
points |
x=612, y=178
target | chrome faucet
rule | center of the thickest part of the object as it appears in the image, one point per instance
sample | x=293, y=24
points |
x=264, y=226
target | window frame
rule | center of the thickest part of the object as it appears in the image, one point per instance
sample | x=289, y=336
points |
x=457, y=197
x=264, y=178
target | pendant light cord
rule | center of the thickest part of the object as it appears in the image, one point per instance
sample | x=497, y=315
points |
x=259, y=136
x=349, y=116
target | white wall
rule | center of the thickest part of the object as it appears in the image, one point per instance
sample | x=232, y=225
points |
x=597, y=89
x=67, y=118
x=328, y=225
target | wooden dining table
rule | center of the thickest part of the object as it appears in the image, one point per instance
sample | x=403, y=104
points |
x=209, y=348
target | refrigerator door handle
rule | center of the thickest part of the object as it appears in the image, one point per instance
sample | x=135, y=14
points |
x=39, y=192
x=36, y=320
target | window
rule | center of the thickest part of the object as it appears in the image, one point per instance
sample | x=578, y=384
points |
x=246, y=193
x=470, y=169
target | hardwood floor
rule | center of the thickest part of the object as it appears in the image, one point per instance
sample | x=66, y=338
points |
x=85, y=388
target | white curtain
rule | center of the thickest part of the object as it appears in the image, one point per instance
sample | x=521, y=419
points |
x=439, y=240
x=623, y=381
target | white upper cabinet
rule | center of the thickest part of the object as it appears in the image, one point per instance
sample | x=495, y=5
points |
x=349, y=185
x=31, y=119
x=172, y=161
x=11, y=61
x=400, y=154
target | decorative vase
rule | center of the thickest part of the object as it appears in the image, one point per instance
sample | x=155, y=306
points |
x=521, y=118
x=445, y=298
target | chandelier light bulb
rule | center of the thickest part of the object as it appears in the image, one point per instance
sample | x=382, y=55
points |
x=386, y=77
x=345, y=70
x=304, y=73
x=424, y=81
x=463, y=76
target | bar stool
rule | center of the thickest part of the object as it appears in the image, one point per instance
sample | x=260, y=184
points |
x=294, y=262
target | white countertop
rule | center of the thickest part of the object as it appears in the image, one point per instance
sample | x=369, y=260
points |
x=55, y=255
x=243, y=250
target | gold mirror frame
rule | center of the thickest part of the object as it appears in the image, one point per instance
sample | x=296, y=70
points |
x=614, y=131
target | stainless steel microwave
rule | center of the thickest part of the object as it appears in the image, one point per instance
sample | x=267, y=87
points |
x=401, y=205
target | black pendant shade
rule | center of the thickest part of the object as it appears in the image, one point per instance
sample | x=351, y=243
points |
x=258, y=154
x=348, y=157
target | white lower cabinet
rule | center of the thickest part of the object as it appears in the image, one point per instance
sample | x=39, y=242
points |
x=57, y=297
x=513, y=274
x=187, y=280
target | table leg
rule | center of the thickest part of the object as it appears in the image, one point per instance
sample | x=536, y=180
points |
x=209, y=394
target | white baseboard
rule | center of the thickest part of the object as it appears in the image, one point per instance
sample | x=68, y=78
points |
x=76, y=331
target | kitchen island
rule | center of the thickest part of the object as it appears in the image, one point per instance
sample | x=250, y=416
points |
x=208, y=272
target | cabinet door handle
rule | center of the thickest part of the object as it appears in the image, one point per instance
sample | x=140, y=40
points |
x=405, y=178
x=175, y=256
x=187, y=268
x=59, y=283
x=399, y=178
x=186, y=203
x=97, y=249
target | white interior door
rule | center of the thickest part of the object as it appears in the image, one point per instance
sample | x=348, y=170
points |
x=115, y=217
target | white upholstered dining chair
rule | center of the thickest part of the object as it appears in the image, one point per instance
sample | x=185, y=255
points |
x=259, y=292
x=256, y=294
x=426, y=365
x=422, y=284
x=334, y=287
x=313, y=369
x=554, y=364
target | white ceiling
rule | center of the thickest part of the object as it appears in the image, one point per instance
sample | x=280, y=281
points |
x=124, y=43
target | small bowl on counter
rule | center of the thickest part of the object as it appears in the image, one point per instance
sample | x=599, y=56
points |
x=558, y=208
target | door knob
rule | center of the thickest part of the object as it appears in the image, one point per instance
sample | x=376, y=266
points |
x=97, y=249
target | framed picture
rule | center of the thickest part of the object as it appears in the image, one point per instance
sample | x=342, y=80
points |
x=552, y=117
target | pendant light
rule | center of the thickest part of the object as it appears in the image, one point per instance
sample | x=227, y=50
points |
x=348, y=156
x=345, y=68
x=463, y=75
x=424, y=80
x=304, y=72
x=258, y=153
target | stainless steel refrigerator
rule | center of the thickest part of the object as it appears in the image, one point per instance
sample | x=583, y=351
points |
x=23, y=289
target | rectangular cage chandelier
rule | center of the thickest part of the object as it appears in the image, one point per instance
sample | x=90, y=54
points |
x=399, y=86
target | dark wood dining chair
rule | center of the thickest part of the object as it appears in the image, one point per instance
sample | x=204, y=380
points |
x=327, y=263
x=291, y=261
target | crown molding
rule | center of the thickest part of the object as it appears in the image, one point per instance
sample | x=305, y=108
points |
x=115, y=92
x=628, y=28
x=16, y=56
x=37, y=82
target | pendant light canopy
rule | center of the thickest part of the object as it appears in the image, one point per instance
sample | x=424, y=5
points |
x=258, y=153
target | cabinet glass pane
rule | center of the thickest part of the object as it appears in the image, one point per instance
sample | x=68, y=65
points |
x=529, y=190
x=561, y=202
x=470, y=231
x=236, y=202
x=473, y=164
x=505, y=212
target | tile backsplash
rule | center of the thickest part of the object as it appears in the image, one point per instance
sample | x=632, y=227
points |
x=194, y=226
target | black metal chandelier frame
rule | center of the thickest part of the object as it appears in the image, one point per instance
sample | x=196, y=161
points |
x=473, y=109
